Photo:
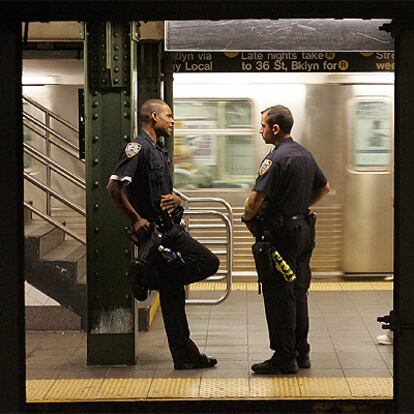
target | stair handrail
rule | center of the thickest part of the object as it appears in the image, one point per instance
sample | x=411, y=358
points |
x=228, y=222
x=55, y=223
x=188, y=200
x=44, y=130
x=229, y=262
x=55, y=194
x=51, y=113
x=52, y=132
x=45, y=160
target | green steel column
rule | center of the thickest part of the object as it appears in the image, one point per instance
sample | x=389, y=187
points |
x=109, y=122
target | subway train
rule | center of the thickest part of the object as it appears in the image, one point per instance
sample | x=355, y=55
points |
x=344, y=119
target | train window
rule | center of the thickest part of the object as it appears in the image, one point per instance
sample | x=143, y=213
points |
x=239, y=156
x=214, y=143
x=238, y=114
x=196, y=114
x=372, y=134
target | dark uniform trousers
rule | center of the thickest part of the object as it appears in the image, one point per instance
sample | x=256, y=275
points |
x=286, y=304
x=170, y=278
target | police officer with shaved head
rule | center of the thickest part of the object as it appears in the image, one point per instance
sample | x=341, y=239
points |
x=141, y=187
x=277, y=213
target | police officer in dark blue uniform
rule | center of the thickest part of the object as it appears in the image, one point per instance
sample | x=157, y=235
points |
x=277, y=213
x=141, y=186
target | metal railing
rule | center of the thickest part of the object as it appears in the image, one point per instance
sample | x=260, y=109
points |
x=52, y=193
x=228, y=242
x=45, y=160
x=29, y=119
x=54, y=223
x=51, y=137
x=45, y=131
x=50, y=114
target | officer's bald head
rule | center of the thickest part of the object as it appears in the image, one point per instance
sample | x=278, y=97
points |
x=148, y=108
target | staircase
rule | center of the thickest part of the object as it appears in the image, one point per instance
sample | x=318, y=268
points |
x=55, y=247
x=55, y=265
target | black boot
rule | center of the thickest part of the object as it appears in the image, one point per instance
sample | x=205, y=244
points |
x=203, y=362
x=275, y=366
x=303, y=360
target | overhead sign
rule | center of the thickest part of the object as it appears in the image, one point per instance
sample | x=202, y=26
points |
x=290, y=35
x=284, y=62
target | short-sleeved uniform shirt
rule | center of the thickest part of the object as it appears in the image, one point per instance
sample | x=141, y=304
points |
x=145, y=168
x=289, y=175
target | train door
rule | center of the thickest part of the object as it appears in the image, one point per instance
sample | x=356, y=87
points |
x=368, y=201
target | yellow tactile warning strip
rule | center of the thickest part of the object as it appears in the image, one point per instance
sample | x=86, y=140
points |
x=38, y=389
x=74, y=389
x=324, y=387
x=377, y=387
x=212, y=388
x=315, y=286
x=123, y=388
x=134, y=389
x=175, y=388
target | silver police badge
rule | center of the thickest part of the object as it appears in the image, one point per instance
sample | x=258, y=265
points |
x=133, y=148
x=265, y=166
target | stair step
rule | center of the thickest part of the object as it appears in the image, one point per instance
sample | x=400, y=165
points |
x=70, y=251
x=46, y=235
x=75, y=222
x=219, y=252
x=213, y=241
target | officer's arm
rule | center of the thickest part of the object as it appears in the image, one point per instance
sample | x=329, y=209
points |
x=116, y=192
x=319, y=194
x=252, y=205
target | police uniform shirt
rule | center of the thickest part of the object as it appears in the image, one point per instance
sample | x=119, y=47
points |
x=144, y=167
x=289, y=175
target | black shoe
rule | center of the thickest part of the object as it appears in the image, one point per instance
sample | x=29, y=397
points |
x=203, y=362
x=135, y=278
x=273, y=366
x=303, y=360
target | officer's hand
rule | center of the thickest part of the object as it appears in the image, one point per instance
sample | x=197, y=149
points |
x=169, y=202
x=141, y=227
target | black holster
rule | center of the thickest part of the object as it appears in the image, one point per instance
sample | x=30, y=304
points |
x=262, y=253
x=148, y=249
x=161, y=228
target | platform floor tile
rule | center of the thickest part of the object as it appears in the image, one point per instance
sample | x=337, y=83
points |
x=347, y=362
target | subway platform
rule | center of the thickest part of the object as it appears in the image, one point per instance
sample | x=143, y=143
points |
x=347, y=362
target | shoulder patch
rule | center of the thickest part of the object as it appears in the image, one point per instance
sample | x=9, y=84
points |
x=266, y=164
x=132, y=149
